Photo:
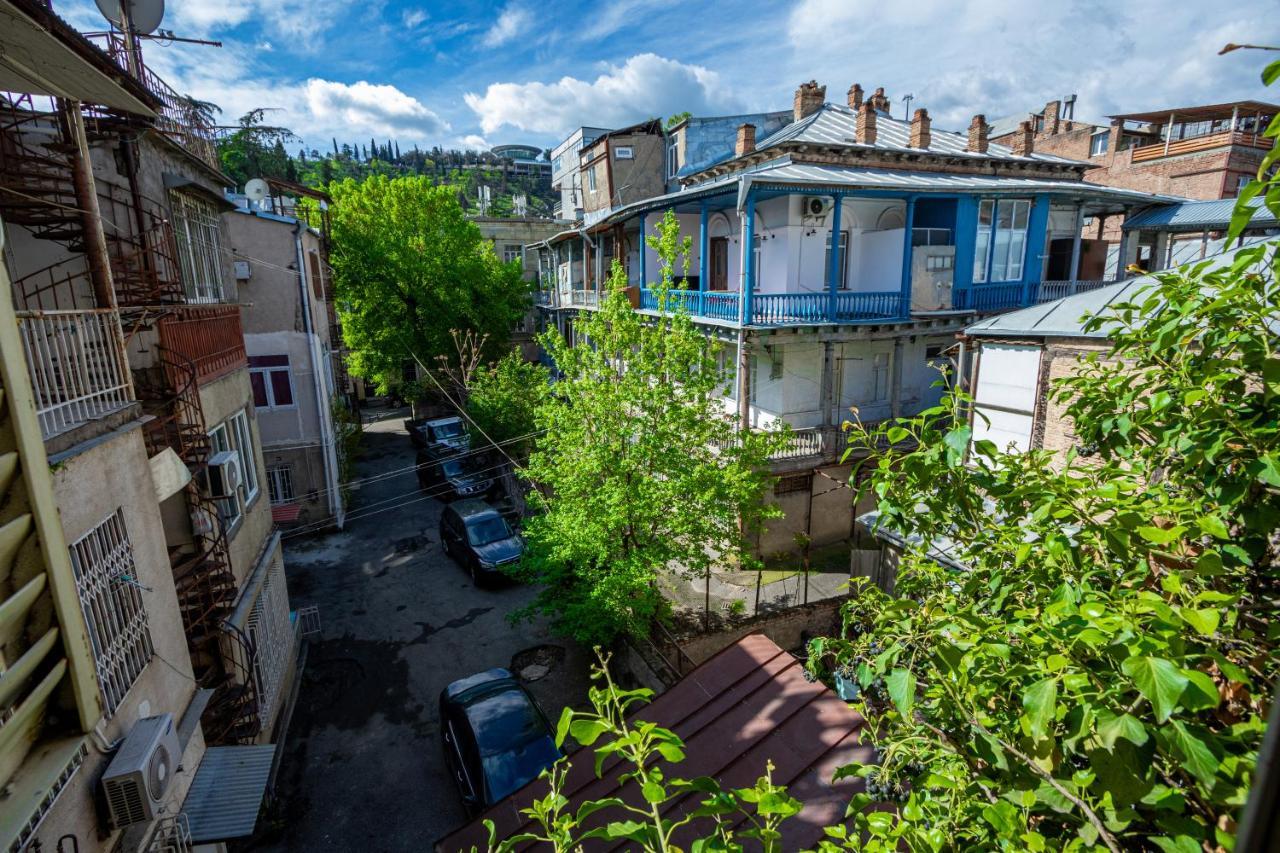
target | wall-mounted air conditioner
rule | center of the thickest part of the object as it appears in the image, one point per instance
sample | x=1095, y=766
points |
x=223, y=474
x=817, y=206
x=142, y=771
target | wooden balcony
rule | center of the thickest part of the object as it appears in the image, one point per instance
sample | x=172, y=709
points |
x=1195, y=144
x=210, y=336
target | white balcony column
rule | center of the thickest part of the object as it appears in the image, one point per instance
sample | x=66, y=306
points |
x=1073, y=272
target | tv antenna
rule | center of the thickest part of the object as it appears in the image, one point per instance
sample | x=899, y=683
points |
x=907, y=99
x=140, y=19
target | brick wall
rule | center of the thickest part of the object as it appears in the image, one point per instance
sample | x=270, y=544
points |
x=1053, y=430
x=1203, y=175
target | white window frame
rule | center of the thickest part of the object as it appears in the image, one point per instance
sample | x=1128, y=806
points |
x=511, y=252
x=280, y=482
x=235, y=435
x=624, y=152
x=270, y=630
x=111, y=601
x=1099, y=142
x=673, y=159
x=844, y=262
x=1008, y=254
x=195, y=227
x=266, y=372
x=881, y=367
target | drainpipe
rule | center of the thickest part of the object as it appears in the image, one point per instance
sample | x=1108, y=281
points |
x=327, y=441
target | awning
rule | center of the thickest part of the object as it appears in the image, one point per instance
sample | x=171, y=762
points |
x=226, y=794
x=41, y=55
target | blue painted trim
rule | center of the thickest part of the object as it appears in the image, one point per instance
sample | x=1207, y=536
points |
x=643, y=251
x=703, y=242
x=833, y=267
x=749, y=258
x=1033, y=261
x=966, y=245
x=904, y=307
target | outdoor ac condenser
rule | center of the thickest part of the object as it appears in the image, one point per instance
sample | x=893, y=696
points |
x=142, y=771
x=224, y=474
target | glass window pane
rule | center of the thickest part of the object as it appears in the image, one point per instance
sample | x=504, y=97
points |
x=259, y=389
x=1021, y=209
x=984, y=212
x=980, y=256
x=1004, y=214
x=281, y=391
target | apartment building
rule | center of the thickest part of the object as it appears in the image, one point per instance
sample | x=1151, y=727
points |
x=509, y=236
x=279, y=248
x=146, y=623
x=566, y=177
x=836, y=259
x=621, y=167
x=698, y=142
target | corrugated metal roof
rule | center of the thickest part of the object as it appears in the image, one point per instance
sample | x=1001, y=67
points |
x=835, y=124
x=746, y=705
x=226, y=794
x=1065, y=317
x=1197, y=216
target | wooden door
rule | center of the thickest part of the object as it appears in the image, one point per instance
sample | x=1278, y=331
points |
x=719, y=263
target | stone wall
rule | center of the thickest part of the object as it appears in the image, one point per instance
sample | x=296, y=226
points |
x=788, y=628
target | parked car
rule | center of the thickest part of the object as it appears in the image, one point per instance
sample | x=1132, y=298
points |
x=477, y=536
x=442, y=435
x=496, y=738
x=455, y=476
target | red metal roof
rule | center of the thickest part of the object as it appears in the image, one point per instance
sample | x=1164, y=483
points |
x=285, y=513
x=744, y=706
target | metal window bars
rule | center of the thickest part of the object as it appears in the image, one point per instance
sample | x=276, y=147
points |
x=111, y=600
x=195, y=224
x=271, y=634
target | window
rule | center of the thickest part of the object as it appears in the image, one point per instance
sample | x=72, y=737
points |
x=111, y=601
x=1098, y=143
x=556, y=164
x=591, y=179
x=776, y=368
x=793, y=483
x=271, y=382
x=1241, y=182
x=233, y=434
x=195, y=225
x=511, y=252
x=880, y=377
x=1002, y=234
x=673, y=159
x=624, y=152
x=844, y=262
x=939, y=263
x=280, y=484
x=271, y=633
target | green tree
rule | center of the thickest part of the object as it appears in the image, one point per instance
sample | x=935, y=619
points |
x=640, y=470
x=409, y=268
x=677, y=118
x=1099, y=674
x=256, y=149
x=504, y=397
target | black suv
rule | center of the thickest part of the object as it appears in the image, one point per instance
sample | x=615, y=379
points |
x=449, y=477
x=496, y=738
x=479, y=538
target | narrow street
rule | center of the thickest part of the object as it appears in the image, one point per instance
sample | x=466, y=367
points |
x=363, y=767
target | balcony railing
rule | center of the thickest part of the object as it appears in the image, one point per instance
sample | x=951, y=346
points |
x=802, y=443
x=584, y=299
x=211, y=337
x=989, y=297
x=1048, y=291
x=1156, y=150
x=784, y=309
x=78, y=368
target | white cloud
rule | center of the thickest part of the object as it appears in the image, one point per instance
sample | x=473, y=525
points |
x=1000, y=57
x=413, y=17
x=378, y=108
x=473, y=140
x=645, y=86
x=511, y=22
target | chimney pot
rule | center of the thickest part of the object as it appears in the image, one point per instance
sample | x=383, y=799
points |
x=865, y=130
x=1024, y=140
x=879, y=101
x=809, y=99
x=746, y=142
x=920, y=136
x=978, y=130
x=1052, y=117
x=855, y=97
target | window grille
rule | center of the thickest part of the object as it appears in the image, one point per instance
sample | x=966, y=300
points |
x=280, y=484
x=172, y=834
x=234, y=434
x=195, y=225
x=792, y=484
x=271, y=632
x=111, y=600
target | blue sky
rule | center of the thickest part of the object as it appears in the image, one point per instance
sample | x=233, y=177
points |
x=476, y=74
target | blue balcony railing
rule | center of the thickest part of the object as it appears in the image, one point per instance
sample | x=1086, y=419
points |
x=786, y=309
x=885, y=304
x=783, y=309
x=989, y=297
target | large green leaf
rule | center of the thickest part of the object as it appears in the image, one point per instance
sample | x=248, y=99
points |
x=1040, y=701
x=1157, y=679
x=901, y=684
x=1126, y=726
x=1197, y=749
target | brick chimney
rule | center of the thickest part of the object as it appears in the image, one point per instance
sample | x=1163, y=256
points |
x=978, y=130
x=1052, y=114
x=920, y=136
x=865, y=131
x=855, y=97
x=1024, y=140
x=809, y=99
x=879, y=101
x=746, y=140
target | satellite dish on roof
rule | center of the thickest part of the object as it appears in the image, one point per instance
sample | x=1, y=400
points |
x=144, y=15
x=257, y=189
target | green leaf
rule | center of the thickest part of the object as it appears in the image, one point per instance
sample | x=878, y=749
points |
x=653, y=792
x=1159, y=535
x=1204, y=621
x=1271, y=73
x=1201, y=693
x=562, y=727
x=1213, y=526
x=1126, y=726
x=1197, y=749
x=587, y=732
x=957, y=442
x=1159, y=681
x=1181, y=844
x=901, y=684
x=1040, y=701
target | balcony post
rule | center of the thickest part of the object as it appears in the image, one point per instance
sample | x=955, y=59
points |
x=704, y=265
x=748, y=258
x=966, y=248
x=1074, y=271
x=907, y=250
x=643, y=280
x=833, y=269
x=1034, y=262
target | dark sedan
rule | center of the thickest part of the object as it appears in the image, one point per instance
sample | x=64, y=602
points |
x=449, y=477
x=479, y=538
x=496, y=738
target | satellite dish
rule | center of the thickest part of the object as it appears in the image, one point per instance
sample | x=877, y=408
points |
x=145, y=15
x=257, y=189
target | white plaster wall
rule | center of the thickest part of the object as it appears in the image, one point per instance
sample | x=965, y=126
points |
x=299, y=422
x=796, y=397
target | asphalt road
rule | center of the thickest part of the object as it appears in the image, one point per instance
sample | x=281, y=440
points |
x=363, y=767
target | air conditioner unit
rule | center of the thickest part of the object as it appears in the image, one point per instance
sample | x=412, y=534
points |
x=817, y=206
x=223, y=474
x=139, y=776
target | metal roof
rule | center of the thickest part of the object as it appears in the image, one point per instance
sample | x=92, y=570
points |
x=837, y=125
x=1197, y=216
x=1065, y=317
x=747, y=704
x=226, y=794
x=1204, y=111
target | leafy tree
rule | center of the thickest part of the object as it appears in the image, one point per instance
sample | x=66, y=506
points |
x=641, y=471
x=1099, y=674
x=504, y=397
x=677, y=118
x=409, y=268
x=256, y=149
